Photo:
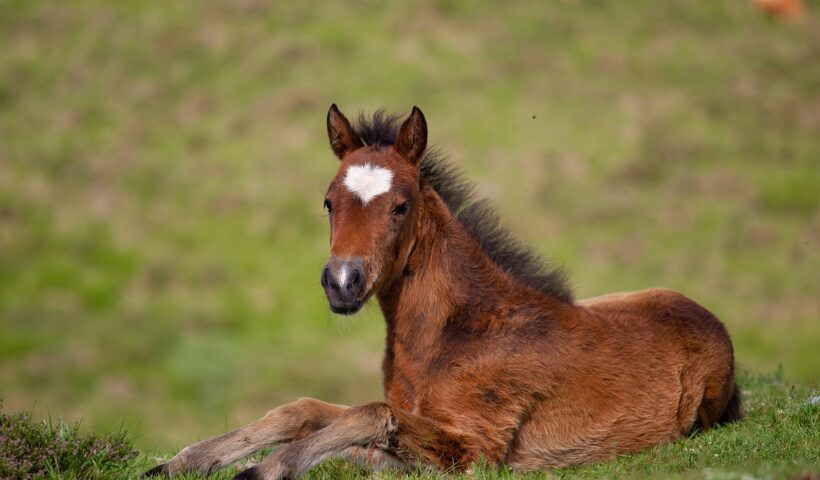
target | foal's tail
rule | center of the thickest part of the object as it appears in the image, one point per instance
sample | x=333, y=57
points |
x=733, y=411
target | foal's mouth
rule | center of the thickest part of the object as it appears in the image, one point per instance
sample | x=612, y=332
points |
x=349, y=308
x=345, y=310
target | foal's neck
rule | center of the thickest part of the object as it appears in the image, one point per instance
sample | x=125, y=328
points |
x=448, y=279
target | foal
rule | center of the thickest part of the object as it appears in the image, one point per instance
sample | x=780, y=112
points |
x=488, y=355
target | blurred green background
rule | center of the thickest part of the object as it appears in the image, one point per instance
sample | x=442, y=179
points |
x=163, y=165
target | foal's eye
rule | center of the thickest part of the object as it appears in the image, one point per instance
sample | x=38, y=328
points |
x=401, y=209
x=328, y=206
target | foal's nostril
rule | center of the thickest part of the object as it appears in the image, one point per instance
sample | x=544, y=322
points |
x=356, y=283
x=326, y=277
x=354, y=279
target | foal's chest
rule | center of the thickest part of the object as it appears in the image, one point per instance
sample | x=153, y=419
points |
x=408, y=373
x=417, y=379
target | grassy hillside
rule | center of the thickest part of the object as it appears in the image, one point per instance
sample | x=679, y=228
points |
x=778, y=439
x=162, y=166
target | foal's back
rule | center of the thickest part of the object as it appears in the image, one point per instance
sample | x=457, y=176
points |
x=643, y=368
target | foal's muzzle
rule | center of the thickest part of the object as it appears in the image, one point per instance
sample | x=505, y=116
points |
x=344, y=284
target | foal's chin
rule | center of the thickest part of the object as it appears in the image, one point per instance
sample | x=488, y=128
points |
x=348, y=308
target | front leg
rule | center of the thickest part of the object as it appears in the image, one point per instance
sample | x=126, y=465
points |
x=408, y=438
x=283, y=424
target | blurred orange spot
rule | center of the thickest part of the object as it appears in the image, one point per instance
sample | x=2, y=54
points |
x=781, y=8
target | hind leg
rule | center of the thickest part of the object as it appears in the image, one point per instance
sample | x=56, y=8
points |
x=284, y=424
x=717, y=393
x=691, y=397
x=704, y=398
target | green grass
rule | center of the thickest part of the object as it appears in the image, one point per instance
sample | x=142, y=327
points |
x=32, y=450
x=778, y=438
x=163, y=165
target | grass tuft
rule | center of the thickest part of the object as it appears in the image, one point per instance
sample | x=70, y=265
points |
x=44, y=449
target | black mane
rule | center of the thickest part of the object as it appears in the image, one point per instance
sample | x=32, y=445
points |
x=475, y=215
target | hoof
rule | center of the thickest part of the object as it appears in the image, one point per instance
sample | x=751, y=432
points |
x=158, y=471
x=249, y=474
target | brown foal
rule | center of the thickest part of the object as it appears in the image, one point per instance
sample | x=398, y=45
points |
x=488, y=356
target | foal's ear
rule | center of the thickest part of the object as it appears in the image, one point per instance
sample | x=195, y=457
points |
x=341, y=135
x=412, y=138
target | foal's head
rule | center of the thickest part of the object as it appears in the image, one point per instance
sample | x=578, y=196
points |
x=373, y=205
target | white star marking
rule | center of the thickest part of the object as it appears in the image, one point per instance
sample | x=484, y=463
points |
x=367, y=181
